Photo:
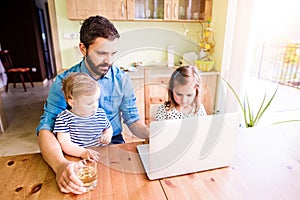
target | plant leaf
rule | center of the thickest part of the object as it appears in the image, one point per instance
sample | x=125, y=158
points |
x=268, y=104
x=245, y=114
x=249, y=117
x=250, y=114
x=235, y=94
x=260, y=109
x=292, y=120
x=243, y=107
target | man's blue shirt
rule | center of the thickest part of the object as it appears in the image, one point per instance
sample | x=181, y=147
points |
x=117, y=99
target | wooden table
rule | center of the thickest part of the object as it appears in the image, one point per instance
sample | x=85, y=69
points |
x=266, y=166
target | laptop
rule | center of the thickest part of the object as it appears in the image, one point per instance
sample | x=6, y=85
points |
x=183, y=146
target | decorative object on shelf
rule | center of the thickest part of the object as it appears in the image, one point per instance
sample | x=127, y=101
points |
x=207, y=42
x=205, y=66
x=133, y=67
x=250, y=117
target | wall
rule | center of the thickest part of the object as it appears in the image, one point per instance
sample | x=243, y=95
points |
x=185, y=37
x=219, y=18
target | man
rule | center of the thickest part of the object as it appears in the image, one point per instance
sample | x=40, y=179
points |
x=98, y=43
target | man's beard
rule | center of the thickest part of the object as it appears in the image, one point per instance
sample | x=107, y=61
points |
x=100, y=69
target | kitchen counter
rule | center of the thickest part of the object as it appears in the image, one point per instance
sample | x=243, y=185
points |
x=161, y=71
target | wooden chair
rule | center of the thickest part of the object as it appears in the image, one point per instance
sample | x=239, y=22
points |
x=156, y=93
x=13, y=71
x=206, y=98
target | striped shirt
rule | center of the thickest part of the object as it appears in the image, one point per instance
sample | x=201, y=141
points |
x=84, y=131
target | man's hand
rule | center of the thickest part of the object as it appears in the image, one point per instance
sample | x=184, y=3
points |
x=67, y=180
x=64, y=169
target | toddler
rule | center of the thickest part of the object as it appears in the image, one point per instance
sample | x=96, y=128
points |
x=83, y=124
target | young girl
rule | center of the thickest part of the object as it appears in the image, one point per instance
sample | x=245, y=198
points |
x=183, y=95
x=84, y=124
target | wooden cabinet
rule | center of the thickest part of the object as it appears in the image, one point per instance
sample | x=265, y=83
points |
x=150, y=10
x=82, y=9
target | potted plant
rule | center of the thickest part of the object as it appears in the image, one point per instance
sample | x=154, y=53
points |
x=251, y=118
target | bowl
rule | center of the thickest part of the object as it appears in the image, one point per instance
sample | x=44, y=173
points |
x=204, y=66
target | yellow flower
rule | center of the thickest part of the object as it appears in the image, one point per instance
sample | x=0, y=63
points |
x=206, y=34
x=207, y=46
x=201, y=44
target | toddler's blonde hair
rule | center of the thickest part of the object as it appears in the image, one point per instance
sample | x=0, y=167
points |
x=78, y=83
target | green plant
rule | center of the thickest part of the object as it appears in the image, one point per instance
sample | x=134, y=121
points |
x=250, y=118
x=292, y=120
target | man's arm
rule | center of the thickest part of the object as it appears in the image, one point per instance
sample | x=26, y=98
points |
x=139, y=129
x=130, y=112
x=66, y=179
x=51, y=149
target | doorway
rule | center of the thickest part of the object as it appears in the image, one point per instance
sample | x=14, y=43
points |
x=45, y=33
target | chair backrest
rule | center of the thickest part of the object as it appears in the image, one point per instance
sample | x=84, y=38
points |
x=6, y=59
x=206, y=99
x=155, y=91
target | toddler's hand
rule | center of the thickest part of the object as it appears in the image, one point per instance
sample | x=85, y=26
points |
x=105, y=138
x=90, y=154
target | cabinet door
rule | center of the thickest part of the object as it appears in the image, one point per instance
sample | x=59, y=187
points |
x=119, y=10
x=71, y=9
x=192, y=10
x=82, y=9
x=148, y=9
x=87, y=8
x=168, y=10
x=171, y=10
x=130, y=9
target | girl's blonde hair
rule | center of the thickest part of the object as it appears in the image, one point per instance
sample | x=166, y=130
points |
x=78, y=83
x=184, y=75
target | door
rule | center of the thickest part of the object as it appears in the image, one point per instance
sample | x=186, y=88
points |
x=46, y=43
